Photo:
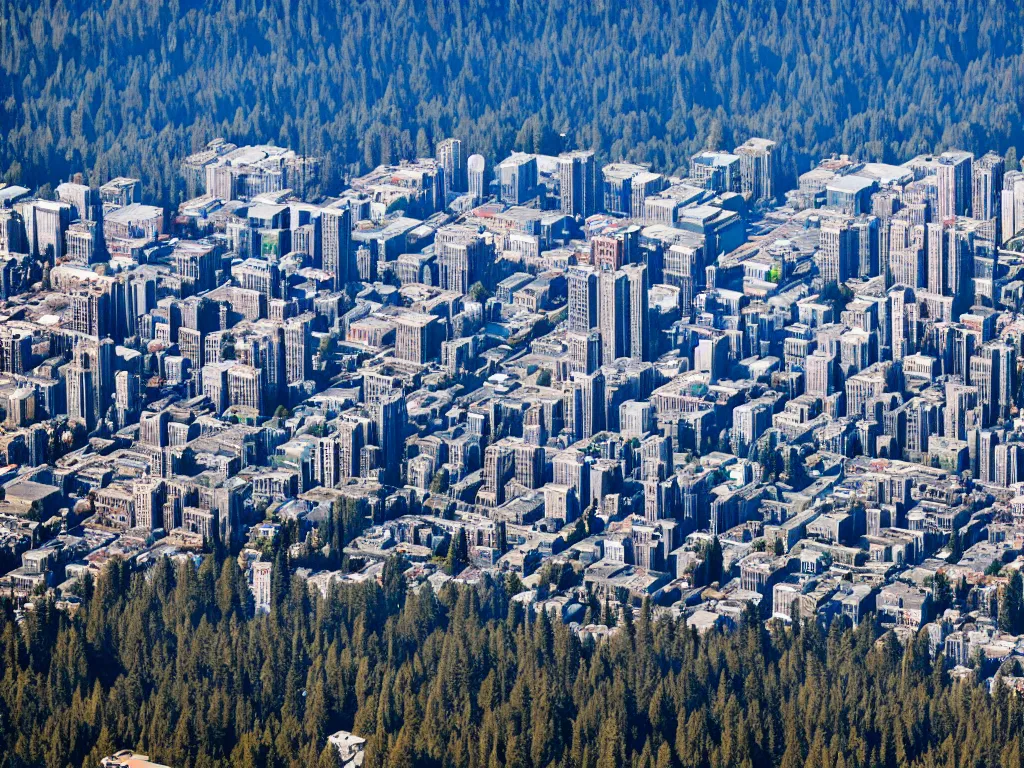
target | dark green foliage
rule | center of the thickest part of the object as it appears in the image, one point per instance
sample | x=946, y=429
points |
x=131, y=88
x=458, y=553
x=1011, y=606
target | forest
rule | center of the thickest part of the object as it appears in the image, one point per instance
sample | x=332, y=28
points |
x=109, y=87
x=172, y=662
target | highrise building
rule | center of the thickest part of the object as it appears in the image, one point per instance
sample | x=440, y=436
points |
x=639, y=313
x=683, y=269
x=517, y=178
x=462, y=257
x=298, y=349
x=577, y=178
x=954, y=183
x=581, y=287
x=449, y=157
x=477, y=180
x=613, y=315
x=835, y=251
x=46, y=223
x=986, y=186
x=757, y=168
x=245, y=387
x=336, y=243
x=390, y=417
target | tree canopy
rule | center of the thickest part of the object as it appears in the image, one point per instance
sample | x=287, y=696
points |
x=132, y=87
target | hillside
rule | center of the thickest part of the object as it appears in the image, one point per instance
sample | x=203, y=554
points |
x=132, y=86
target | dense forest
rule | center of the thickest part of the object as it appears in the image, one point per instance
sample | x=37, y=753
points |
x=113, y=87
x=174, y=663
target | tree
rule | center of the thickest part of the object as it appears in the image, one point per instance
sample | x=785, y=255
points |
x=943, y=593
x=1011, y=606
x=714, y=561
x=956, y=549
x=478, y=292
x=544, y=378
x=458, y=553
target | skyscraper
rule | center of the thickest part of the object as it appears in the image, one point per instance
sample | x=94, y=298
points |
x=577, y=178
x=613, y=315
x=336, y=243
x=954, y=181
x=477, y=169
x=449, y=157
x=986, y=186
x=581, y=287
x=836, y=251
x=390, y=418
x=757, y=168
x=639, y=313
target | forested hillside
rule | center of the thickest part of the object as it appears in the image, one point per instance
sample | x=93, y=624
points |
x=176, y=666
x=131, y=86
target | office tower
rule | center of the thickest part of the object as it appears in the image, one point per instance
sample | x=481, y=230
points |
x=153, y=429
x=1011, y=206
x=986, y=186
x=757, y=168
x=336, y=237
x=938, y=259
x=390, y=417
x=84, y=201
x=449, y=157
x=642, y=186
x=903, y=311
x=907, y=242
x=584, y=351
x=127, y=396
x=499, y=468
x=190, y=345
x=197, y=265
x=215, y=384
x=639, y=313
x=416, y=336
x=12, y=227
x=104, y=365
x=591, y=414
x=820, y=374
x=15, y=350
x=954, y=183
x=298, y=349
x=122, y=191
x=246, y=388
x=581, y=289
x=81, y=401
x=46, y=223
x=984, y=376
x=82, y=245
x=835, y=251
x=884, y=205
x=577, y=179
x=326, y=469
x=351, y=437
x=865, y=246
x=477, y=168
x=462, y=257
x=1004, y=366
x=613, y=315
x=716, y=171
x=517, y=178
x=683, y=268
x=617, y=187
